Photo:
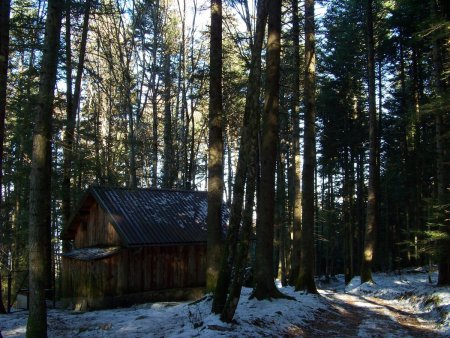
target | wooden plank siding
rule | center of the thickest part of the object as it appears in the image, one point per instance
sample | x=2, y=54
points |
x=135, y=270
x=97, y=230
x=161, y=254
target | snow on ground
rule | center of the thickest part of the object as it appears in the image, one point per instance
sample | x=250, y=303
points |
x=411, y=289
x=261, y=318
x=334, y=313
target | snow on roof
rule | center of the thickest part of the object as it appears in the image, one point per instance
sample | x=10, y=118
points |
x=152, y=216
x=89, y=254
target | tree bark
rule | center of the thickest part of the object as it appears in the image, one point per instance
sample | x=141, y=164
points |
x=215, y=156
x=5, y=8
x=168, y=167
x=245, y=233
x=441, y=53
x=305, y=279
x=182, y=91
x=72, y=106
x=264, y=281
x=155, y=94
x=372, y=202
x=40, y=177
x=296, y=165
x=246, y=172
x=280, y=216
x=132, y=174
x=347, y=216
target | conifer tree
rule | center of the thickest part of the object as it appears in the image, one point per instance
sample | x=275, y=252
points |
x=305, y=279
x=245, y=181
x=264, y=280
x=5, y=8
x=372, y=203
x=40, y=177
x=215, y=160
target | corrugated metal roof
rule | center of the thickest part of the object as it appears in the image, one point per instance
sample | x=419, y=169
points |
x=89, y=254
x=154, y=216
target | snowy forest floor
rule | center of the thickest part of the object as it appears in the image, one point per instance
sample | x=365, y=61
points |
x=397, y=305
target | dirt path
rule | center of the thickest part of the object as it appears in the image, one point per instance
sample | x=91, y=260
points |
x=353, y=316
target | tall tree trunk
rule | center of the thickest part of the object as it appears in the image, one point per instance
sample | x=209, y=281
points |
x=411, y=158
x=280, y=214
x=70, y=116
x=360, y=198
x=296, y=165
x=168, y=167
x=348, y=191
x=215, y=156
x=441, y=54
x=386, y=240
x=264, y=281
x=417, y=187
x=132, y=174
x=5, y=8
x=155, y=123
x=305, y=279
x=65, y=191
x=244, y=242
x=405, y=148
x=72, y=106
x=372, y=221
x=155, y=95
x=184, y=122
x=229, y=186
x=40, y=177
x=246, y=171
x=179, y=120
x=98, y=138
x=444, y=254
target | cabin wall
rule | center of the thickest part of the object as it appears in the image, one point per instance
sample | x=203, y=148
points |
x=134, y=270
x=97, y=230
x=162, y=267
x=88, y=279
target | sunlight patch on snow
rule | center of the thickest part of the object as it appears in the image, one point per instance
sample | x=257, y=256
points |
x=412, y=289
x=18, y=331
x=409, y=292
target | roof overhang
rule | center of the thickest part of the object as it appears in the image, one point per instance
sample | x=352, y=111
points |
x=92, y=253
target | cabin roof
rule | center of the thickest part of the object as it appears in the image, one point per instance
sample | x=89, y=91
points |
x=148, y=216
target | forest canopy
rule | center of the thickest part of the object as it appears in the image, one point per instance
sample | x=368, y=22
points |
x=333, y=123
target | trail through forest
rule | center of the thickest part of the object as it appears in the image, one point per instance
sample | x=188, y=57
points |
x=362, y=316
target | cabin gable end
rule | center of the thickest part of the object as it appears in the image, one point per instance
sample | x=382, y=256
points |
x=95, y=229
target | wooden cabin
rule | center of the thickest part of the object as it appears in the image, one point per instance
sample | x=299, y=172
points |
x=135, y=245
